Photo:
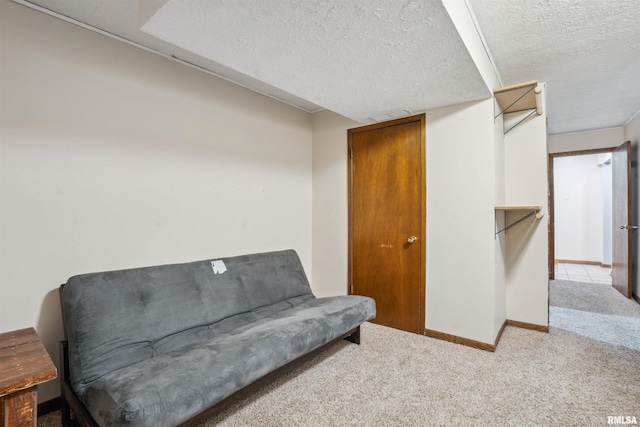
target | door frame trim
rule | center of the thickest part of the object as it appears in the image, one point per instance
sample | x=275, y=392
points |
x=423, y=205
x=552, y=230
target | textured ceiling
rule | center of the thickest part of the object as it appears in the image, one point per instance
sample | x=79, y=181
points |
x=363, y=59
x=588, y=52
x=358, y=58
x=384, y=58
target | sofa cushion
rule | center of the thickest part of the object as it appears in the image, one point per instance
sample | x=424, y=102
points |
x=171, y=388
x=120, y=318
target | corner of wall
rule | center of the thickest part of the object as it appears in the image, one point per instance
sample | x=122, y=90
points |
x=527, y=246
x=329, y=203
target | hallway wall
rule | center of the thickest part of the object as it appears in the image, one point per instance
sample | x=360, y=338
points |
x=580, y=208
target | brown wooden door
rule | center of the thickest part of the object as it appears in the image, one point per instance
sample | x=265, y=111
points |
x=621, y=219
x=387, y=219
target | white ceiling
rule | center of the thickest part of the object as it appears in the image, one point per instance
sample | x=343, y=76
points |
x=588, y=52
x=357, y=58
x=371, y=60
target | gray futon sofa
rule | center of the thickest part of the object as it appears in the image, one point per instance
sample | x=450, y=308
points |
x=169, y=345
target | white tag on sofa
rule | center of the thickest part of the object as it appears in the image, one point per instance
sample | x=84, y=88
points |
x=218, y=267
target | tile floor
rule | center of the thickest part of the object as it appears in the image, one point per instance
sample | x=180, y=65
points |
x=583, y=273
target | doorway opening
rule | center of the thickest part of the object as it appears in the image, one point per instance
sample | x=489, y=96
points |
x=582, y=216
x=588, y=192
x=621, y=214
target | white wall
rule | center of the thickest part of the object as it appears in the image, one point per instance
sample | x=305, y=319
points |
x=579, y=208
x=461, y=249
x=111, y=157
x=330, y=203
x=580, y=141
x=526, y=264
x=632, y=133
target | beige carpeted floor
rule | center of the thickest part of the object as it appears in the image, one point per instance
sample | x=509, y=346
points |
x=400, y=379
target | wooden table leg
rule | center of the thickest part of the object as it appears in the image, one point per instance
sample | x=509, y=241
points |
x=19, y=409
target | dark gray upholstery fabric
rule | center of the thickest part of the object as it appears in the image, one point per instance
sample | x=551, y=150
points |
x=155, y=346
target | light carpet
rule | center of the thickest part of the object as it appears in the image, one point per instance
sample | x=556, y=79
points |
x=596, y=311
x=400, y=379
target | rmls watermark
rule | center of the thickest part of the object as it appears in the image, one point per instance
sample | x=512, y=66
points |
x=621, y=420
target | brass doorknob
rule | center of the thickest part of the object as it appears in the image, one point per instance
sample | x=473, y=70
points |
x=628, y=227
x=412, y=239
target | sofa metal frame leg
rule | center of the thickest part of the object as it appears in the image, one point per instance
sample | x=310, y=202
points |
x=355, y=336
x=66, y=414
x=64, y=375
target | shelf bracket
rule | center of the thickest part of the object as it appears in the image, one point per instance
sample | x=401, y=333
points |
x=535, y=212
x=514, y=103
x=525, y=118
x=520, y=97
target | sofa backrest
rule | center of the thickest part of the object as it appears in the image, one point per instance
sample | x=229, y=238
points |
x=113, y=318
